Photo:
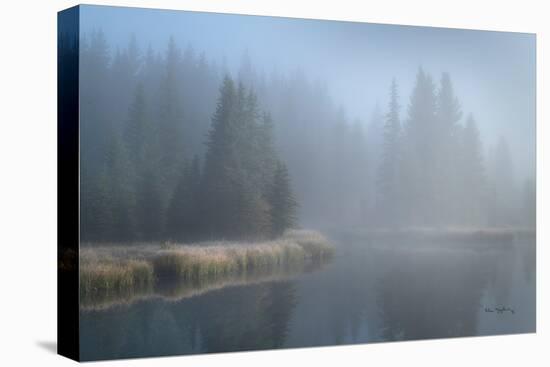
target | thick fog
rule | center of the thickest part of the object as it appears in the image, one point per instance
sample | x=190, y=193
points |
x=379, y=125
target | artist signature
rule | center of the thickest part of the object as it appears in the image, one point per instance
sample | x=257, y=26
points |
x=500, y=310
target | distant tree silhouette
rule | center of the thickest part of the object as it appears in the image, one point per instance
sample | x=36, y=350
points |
x=94, y=114
x=171, y=120
x=374, y=144
x=388, y=172
x=138, y=132
x=446, y=140
x=419, y=163
x=145, y=113
x=472, y=176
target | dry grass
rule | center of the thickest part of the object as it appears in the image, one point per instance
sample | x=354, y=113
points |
x=107, y=271
x=314, y=243
x=110, y=278
x=196, y=263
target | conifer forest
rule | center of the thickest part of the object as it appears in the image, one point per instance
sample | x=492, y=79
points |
x=176, y=147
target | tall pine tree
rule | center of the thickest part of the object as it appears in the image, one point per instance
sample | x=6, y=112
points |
x=447, y=148
x=388, y=172
x=138, y=132
x=419, y=163
x=171, y=122
x=472, y=202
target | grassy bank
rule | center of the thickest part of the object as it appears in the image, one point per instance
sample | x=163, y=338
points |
x=109, y=272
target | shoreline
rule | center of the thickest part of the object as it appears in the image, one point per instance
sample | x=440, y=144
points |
x=444, y=234
x=115, y=272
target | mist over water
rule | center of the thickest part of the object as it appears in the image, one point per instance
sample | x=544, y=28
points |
x=374, y=291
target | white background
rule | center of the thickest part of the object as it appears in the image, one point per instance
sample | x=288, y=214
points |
x=28, y=182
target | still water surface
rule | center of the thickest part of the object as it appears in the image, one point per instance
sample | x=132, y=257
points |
x=372, y=291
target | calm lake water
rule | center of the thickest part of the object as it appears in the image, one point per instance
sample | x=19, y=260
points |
x=372, y=291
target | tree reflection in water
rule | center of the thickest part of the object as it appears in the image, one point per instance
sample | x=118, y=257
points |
x=436, y=291
x=231, y=319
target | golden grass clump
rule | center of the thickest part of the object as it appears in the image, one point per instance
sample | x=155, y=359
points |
x=97, y=277
x=194, y=263
x=314, y=243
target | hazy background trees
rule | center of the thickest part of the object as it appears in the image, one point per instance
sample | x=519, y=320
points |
x=176, y=146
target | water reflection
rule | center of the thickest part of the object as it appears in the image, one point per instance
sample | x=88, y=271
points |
x=175, y=290
x=255, y=318
x=431, y=293
x=230, y=319
x=372, y=291
x=395, y=290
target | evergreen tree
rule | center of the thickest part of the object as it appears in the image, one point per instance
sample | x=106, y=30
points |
x=448, y=111
x=260, y=157
x=150, y=76
x=447, y=149
x=375, y=134
x=171, y=123
x=472, y=176
x=94, y=114
x=236, y=156
x=123, y=78
x=282, y=203
x=137, y=131
x=375, y=139
x=419, y=163
x=216, y=178
x=142, y=144
x=388, y=172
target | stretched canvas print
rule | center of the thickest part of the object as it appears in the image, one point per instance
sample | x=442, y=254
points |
x=237, y=183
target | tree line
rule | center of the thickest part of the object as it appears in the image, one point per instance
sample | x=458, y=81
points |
x=146, y=187
x=242, y=191
x=433, y=169
x=172, y=147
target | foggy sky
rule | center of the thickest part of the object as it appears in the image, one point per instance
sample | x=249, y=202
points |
x=493, y=72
